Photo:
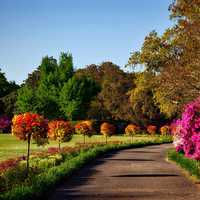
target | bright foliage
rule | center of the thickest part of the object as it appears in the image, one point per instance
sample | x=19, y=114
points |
x=60, y=130
x=107, y=129
x=164, y=130
x=186, y=130
x=84, y=128
x=131, y=129
x=151, y=129
x=30, y=124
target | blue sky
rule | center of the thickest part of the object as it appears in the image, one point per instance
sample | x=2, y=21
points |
x=92, y=30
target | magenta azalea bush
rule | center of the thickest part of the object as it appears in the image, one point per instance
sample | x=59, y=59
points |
x=5, y=123
x=186, y=131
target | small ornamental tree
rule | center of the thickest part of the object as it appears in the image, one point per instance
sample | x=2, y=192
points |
x=29, y=126
x=60, y=130
x=107, y=130
x=84, y=128
x=131, y=130
x=165, y=130
x=151, y=129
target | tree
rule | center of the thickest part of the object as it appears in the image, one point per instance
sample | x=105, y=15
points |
x=26, y=100
x=174, y=58
x=76, y=95
x=7, y=95
x=112, y=102
x=8, y=104
x=107, y=130
x=60, y=130
x=84, y=128
x=29, y=126
x=131, y=130
x=40, y=92
x=5, y=86
x=141, y=97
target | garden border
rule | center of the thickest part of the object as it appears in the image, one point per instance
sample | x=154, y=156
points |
x=44, y=182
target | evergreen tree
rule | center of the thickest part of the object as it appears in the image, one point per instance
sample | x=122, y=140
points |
x=76, y=95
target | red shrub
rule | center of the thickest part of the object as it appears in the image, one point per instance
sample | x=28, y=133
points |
x=151, y=129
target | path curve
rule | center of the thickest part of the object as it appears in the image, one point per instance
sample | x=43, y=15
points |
x=135, y=174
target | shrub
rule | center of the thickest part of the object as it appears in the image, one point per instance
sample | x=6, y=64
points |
x=60, y=130
x=151, y=129
x=107, y=129
x=29, y=126
x=84, y=128
x=186, y=130
x=131, y=130
x=5, y=124
x=165, y=130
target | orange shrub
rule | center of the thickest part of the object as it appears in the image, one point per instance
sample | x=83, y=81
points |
x=83, y=128
x=107, y=129
x=164, y=130
x=89, y=123
x=60, y=130
x=131, y=129
x=29, y=126
x=151, y=129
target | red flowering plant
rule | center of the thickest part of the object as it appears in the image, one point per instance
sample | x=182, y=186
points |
x=151, y=129
x=84, y=128
x=29, y=126
x=5, y=123
x=186, y=131
x=60, y=130
x=107, y=130
x=165, y=130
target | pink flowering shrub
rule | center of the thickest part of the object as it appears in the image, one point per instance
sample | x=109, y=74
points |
x=186, y=131
x=5, y=124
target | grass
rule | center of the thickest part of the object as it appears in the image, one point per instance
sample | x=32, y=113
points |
x=192, y=167
x=39, y=185
x=11, y=147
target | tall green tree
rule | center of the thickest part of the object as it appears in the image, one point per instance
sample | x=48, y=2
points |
x=26, y=100
x=76, y=95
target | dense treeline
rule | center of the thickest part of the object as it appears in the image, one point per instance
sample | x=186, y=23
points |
x=156, y=95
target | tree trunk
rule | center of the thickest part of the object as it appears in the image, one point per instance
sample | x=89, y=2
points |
x=84, y=138
x=59, y=144
x=106, y=139
x=28, y=153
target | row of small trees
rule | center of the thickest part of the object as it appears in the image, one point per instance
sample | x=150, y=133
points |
x=29, y=126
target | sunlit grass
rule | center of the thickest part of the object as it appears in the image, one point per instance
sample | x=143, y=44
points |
x=11, y=147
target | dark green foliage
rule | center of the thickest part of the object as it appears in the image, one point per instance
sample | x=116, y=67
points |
x=26, y=100
x=76, y=95
x=7, y=103
x=191, y=166
x=53, y=91
x=65, y=69
x=7, y=95
x=5, y=86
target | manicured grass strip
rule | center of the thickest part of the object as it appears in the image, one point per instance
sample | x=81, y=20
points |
x=42, y=183
x=191, y=166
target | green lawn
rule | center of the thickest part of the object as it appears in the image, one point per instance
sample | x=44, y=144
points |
x=10, y=147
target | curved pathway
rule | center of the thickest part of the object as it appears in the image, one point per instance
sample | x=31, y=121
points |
x=135, y=174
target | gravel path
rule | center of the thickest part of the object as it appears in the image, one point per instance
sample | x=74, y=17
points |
x=135, y=174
